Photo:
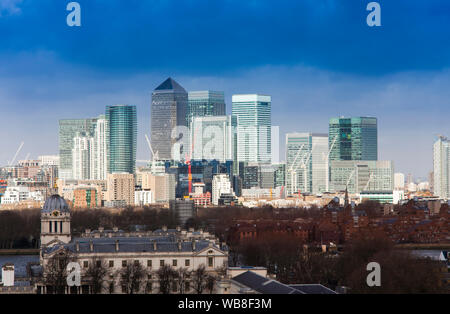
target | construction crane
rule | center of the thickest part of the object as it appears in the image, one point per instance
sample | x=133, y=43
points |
x=349, y=178
x=303, y=166
x=189, y=163
x=327, y=168
x=155, y=156
x=368, y=182
x=17, y=153
x=291, y=169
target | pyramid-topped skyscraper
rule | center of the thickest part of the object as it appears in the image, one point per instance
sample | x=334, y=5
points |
x=168, y=110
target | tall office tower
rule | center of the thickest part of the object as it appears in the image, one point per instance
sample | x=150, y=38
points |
x=254, y=141
x=122, y=124
x=168, y=111
x=205, y=104
x=213, y=138
x=68, y=129
x=306, y=162
x=82, y=157
x=353, y=138
x=399, y=181
x=357, y=176
x=441, y=162
x=280, y=174
x=99, y=168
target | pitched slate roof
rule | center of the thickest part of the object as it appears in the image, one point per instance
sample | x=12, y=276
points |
x=313, y=289
x=130, y=244
x=264, y=285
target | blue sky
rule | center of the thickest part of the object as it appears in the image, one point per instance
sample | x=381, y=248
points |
x=317, y=58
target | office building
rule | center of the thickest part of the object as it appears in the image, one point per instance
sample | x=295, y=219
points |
x=353, y=138
x=213, y=138
x=306, y=163
x=122, y=124
x=441, y=165
x=168, y=111
x=253, y=114
x=205, y=104
x=399, y=181
x=358, y=176
x=162, y=186
x=100, y=150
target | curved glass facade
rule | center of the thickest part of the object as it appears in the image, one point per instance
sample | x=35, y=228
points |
x=122, y=121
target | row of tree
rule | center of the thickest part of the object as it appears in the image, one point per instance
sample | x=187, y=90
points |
x=133, y=277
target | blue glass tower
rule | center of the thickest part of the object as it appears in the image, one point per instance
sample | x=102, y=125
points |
x=122, y=121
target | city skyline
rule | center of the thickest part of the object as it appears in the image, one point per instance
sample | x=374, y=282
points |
x=397, y=78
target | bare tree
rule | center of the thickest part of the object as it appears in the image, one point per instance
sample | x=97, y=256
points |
x=166, y=275
x=199, y=279
x=55, y=272
x=210, y=283
x=96, y=274
x=182, y=276
x=132, y=276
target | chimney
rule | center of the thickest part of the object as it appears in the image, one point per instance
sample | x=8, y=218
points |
x=91, y=246
x=193, y=245
x=77, y=246
x=155, y=246
x=179, y=245
x=117, y=245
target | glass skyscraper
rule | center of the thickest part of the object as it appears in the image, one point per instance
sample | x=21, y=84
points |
x=353, y=138
x=441, y=165
x=168, y=111
x=68, y=130
x=205, y=104
x=122, y=124
x=254, y=136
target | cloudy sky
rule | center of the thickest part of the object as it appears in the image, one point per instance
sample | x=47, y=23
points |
x=316, y=58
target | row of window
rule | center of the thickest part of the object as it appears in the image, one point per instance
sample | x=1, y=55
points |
x=187, y=263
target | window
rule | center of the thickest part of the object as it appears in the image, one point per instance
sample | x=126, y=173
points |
x=149, y=263
x=187, y=263
x=98, y=264
x=124, y=263
x=150, y=276
x=174, y=263
x=111, y=264
x=136, y=263
x=85, y=264
x=161, y=263
x=210, y=261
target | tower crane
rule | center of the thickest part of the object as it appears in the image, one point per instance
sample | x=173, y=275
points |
x=303, y=164
x=327, y=168
x=17, y=153
x=155, y=156
x=291, y=169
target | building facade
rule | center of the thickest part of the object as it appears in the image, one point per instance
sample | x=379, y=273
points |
x=205, y=104
x=353, y=138
x=122, y=125
x=168, y=111
x=441, y=165
x=121, y=188
x=253, y=113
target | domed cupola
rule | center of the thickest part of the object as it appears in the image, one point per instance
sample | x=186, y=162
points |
x=55, y=203
x=55, y=221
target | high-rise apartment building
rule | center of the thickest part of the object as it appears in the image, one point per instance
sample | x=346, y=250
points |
x=68, y=129
x=168, y=111
x=82, y=157
x=220, y=185
x=205, y=104
x=441, y=165
x=213, y=138
x=122, y=125
x=353, y=138
x=100, y=150
x=399, y=181
x=306, y=163
x=121, y=188
x=253, y=114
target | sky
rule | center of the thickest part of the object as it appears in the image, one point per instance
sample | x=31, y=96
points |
x=317, y=59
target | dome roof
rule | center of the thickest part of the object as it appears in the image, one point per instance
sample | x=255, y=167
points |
x=55, y=202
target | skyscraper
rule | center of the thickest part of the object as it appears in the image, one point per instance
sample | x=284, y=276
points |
x=68, y=129
x=205, y=104
x=441, y=163
x=168, y=111
x=213, y=138
x=353, y=138
x=306, y=163
x=122, y=124
x=253, y=114
x=81, y=157
x=100, y=150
